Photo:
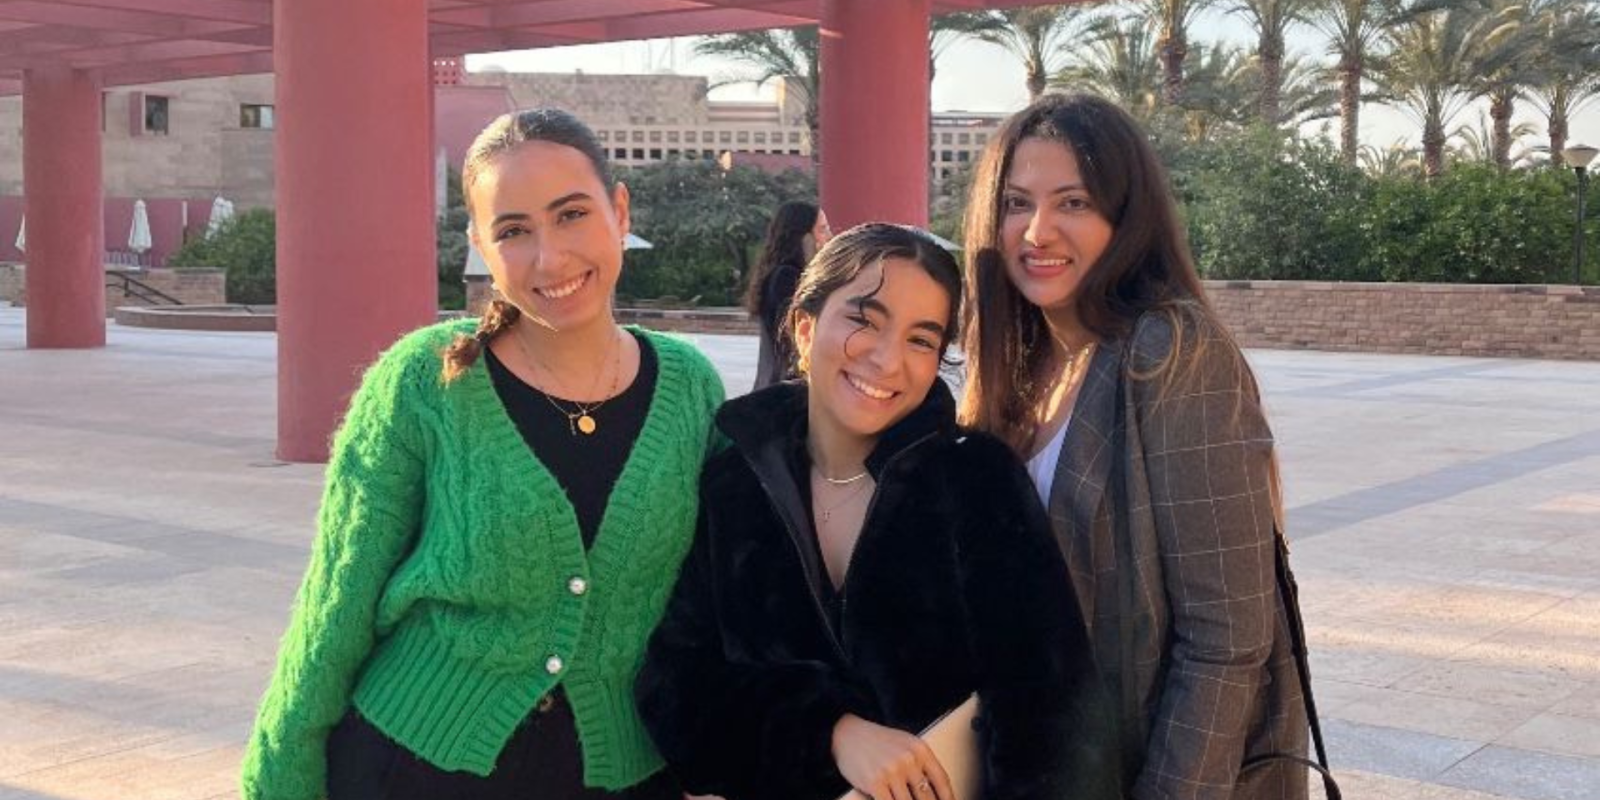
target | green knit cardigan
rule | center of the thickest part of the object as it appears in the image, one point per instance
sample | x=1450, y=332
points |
x=449, y=588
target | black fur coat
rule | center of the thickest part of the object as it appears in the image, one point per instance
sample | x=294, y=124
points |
x=956, y=585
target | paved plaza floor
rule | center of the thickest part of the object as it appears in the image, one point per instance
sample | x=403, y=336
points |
x=1444, y=512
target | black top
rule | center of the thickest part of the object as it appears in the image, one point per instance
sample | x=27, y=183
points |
x=586, y=465
x=776, y=362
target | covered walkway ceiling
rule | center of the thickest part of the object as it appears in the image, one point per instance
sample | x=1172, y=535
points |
x=146, y=41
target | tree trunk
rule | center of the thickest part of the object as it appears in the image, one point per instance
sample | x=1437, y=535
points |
x=1036, y=83
x=1271, y=86
x=1558, y=130
x=1172, y=49
x=1433, y=140
x=1350, y=108
x=1500, y=108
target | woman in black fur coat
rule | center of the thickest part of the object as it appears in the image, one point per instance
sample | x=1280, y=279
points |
x=862, y=567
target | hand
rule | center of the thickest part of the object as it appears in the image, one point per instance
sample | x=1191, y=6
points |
x=888, y=764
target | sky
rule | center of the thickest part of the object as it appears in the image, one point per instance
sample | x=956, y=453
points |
x=970, y=77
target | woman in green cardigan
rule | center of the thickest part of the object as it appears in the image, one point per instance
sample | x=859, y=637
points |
x=500, y=531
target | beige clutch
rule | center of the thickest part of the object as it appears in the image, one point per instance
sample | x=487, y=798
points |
x=955, y=744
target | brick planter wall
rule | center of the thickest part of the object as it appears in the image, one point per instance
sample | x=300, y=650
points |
x=1533, y=321
x=191, y=286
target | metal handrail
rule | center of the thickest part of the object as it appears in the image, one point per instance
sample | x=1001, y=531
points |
x=134, y=287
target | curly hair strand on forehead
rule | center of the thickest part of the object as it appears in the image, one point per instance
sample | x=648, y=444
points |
x=843, y=258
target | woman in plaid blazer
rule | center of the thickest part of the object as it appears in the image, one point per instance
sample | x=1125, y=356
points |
x=1093, y=352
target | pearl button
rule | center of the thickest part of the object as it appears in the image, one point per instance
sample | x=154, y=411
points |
x=577, y=586
x=554, y=665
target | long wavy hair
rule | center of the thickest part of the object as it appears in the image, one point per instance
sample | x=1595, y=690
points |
x=785, y=244
x=1146, y=267
x=501, y=136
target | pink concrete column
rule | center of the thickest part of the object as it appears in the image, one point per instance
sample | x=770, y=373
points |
x=875, y=111
x=356, y=264
x=66, y=279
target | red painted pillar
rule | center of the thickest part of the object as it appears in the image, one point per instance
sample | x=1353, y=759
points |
x=875, y=111
x=356, y=264
x=66, y=279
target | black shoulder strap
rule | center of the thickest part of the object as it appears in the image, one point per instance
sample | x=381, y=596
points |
x=1131, y=728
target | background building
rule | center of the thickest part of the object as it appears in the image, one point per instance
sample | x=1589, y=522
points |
x=179, y=145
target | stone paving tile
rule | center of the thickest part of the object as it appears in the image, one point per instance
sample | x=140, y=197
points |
x=1508, y=686
x=1583, y=703
x=1554, y=733
x=1456, y=717
x=1391, y=751
x=1526, y=774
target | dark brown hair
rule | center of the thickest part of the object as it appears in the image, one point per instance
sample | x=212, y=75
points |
x=1145, y=267
x=845, y=255
x=785, y=244
x=500, y=137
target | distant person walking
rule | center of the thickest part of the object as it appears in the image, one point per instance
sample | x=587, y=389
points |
x=796, y=232
x=507, y=505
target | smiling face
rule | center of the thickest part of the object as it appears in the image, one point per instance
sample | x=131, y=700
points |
x=550, y=233
x=874, y=348
x=1051, y=233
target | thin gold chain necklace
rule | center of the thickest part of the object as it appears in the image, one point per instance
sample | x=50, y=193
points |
x=580, y=419
x=826, y=512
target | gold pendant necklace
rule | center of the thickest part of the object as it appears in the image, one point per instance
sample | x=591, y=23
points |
x=582, y=419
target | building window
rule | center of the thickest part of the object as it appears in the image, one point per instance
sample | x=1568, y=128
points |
x=743, y=137
x=691, y=136
x=983, y=138
x=962, y=156
x=724, y=136
x=707, y=154
x=674, y=153
x=638, y=136
x=655, y=137
x=794, y=152
x=655, y=154
x=619, y=153
x=761, y=137
x=672, y=137
x=794, y=137
x=604, y=136
x=965, y=138
x=945, y=156
x=255, y=116
x=944, y=138
x=638, y=154
x=155, y=114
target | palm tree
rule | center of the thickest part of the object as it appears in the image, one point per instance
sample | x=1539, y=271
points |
x=1508, y=61
x=1218, y=90
x=1396, y=160
x=1481, y=143
x=1270, y=19
x=1306, y=95
x=786, y=54
x=1352, y=28
x=1034, y=36
x=1569, y=32
x=1172, y=19
x=1118, y=61
x=1429, y=67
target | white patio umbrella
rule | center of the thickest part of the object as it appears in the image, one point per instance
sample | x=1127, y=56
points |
x=634, y=242
x=22, y=234
x=139, y=239
x=221, y=211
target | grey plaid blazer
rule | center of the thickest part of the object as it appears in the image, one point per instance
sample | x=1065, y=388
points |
x=1213, y=667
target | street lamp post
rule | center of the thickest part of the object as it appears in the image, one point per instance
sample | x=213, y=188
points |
x=1578, y=157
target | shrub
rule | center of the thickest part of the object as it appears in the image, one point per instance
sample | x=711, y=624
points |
x=246, y=248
